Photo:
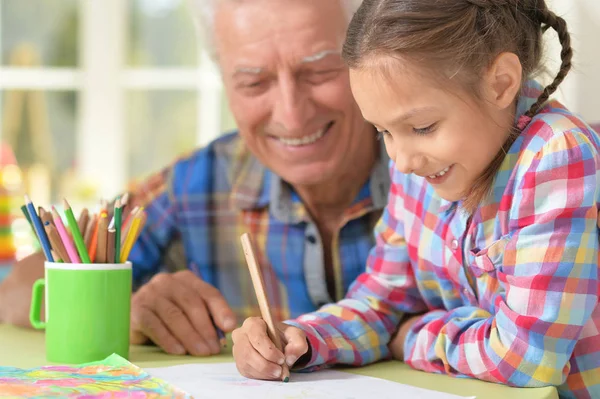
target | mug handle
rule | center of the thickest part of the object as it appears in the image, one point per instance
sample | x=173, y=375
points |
x=36, y=304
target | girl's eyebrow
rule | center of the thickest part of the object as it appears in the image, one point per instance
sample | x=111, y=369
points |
x=411, y=113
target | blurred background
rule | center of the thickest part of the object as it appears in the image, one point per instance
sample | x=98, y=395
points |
x=97, y=94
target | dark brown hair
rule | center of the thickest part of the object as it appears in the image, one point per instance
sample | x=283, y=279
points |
x=459, y=38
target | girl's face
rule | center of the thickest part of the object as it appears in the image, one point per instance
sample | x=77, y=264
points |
x=445, y=136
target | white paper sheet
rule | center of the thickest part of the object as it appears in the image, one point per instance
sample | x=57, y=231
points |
x=222, y=380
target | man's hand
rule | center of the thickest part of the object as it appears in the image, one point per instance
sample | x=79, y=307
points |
x=15, y=290
x=174, y=311
x=256, y=355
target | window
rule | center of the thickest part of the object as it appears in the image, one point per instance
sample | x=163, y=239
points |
x=97, y=93
x=94, y=94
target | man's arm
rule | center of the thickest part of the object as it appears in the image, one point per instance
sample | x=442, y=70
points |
x=15, y=290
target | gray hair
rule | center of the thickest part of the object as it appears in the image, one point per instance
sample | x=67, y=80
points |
x=204, y=17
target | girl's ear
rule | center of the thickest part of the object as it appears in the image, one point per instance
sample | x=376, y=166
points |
x=503, y=80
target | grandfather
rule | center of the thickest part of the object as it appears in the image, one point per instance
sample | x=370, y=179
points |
x=304, y=174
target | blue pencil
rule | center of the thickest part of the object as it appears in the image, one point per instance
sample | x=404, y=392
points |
x=39, y=229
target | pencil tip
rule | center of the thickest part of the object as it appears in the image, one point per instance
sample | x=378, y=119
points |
x=286, y=379
x=65, y=203
x=27, y=199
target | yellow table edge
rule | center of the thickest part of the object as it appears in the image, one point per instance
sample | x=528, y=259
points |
x=24, y=348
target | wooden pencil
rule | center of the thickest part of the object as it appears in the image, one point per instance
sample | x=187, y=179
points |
x=84, y=218
x=110, y=246
x=55, y=241
x=261, y=296
x=44, y=215
x=101, y=247
x=124, y=201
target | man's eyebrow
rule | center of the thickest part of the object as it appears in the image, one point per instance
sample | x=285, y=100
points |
x=319, y=56
x=308, y=59
x=248, y=70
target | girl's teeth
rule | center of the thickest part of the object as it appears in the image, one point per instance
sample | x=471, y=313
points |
x=303, y=140
x=440, y=174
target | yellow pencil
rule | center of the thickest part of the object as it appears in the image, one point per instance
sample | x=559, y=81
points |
x=132, y=234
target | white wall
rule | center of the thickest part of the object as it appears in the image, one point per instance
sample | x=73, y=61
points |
x=581, y=90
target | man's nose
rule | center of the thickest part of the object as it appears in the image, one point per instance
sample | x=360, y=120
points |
x=293, y=106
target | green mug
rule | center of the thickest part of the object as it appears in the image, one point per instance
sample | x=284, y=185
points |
x=87, y=310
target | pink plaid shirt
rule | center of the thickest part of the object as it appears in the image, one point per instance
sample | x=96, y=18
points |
x=509, y=293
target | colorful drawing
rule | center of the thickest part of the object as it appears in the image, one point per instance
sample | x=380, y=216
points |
x=113, y=377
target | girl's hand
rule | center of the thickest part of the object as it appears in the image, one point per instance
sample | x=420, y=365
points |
x=396, y=346
x=256, y=356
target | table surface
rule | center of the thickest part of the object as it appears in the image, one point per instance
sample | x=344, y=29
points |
x=25, y=348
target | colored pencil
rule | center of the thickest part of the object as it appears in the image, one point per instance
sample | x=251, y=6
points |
x=44, y=216
x=57, y=244
x=118, y=210
x=65, y=238
x=39, y=229
x=26, y=213
x=101, y=247
x=76, y=233
x=261, y=296
x=94, y=243
x=126, y=225
x=84, y=218
x=132, y=234
x=89, y=232
x=110, y=249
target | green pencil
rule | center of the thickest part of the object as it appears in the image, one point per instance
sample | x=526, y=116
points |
x=118, y=211
x=24, y=210
x=72, y=222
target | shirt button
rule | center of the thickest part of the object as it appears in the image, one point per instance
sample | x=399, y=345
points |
x=312, y=239
x=454, y=244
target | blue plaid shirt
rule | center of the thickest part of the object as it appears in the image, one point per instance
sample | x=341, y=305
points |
x=199, y=206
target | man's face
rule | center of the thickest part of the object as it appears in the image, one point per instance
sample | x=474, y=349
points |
x=288, y=87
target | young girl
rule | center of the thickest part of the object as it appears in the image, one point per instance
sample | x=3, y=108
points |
x=486, y=263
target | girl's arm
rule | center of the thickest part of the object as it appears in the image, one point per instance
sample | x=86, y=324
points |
x=549, y=273
x=357, y=329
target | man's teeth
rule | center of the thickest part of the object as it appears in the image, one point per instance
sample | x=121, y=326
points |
x=440, y=174
x=303, y=140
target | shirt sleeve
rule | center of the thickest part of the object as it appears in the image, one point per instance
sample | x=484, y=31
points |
x=548, y=272
x=155, y=195
x=357, y=329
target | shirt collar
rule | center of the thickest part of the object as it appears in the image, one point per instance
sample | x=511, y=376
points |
x=256, y=187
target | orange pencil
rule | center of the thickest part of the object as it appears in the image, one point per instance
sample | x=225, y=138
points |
x=261, y=296
x=94, y=242
x=89, y=231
